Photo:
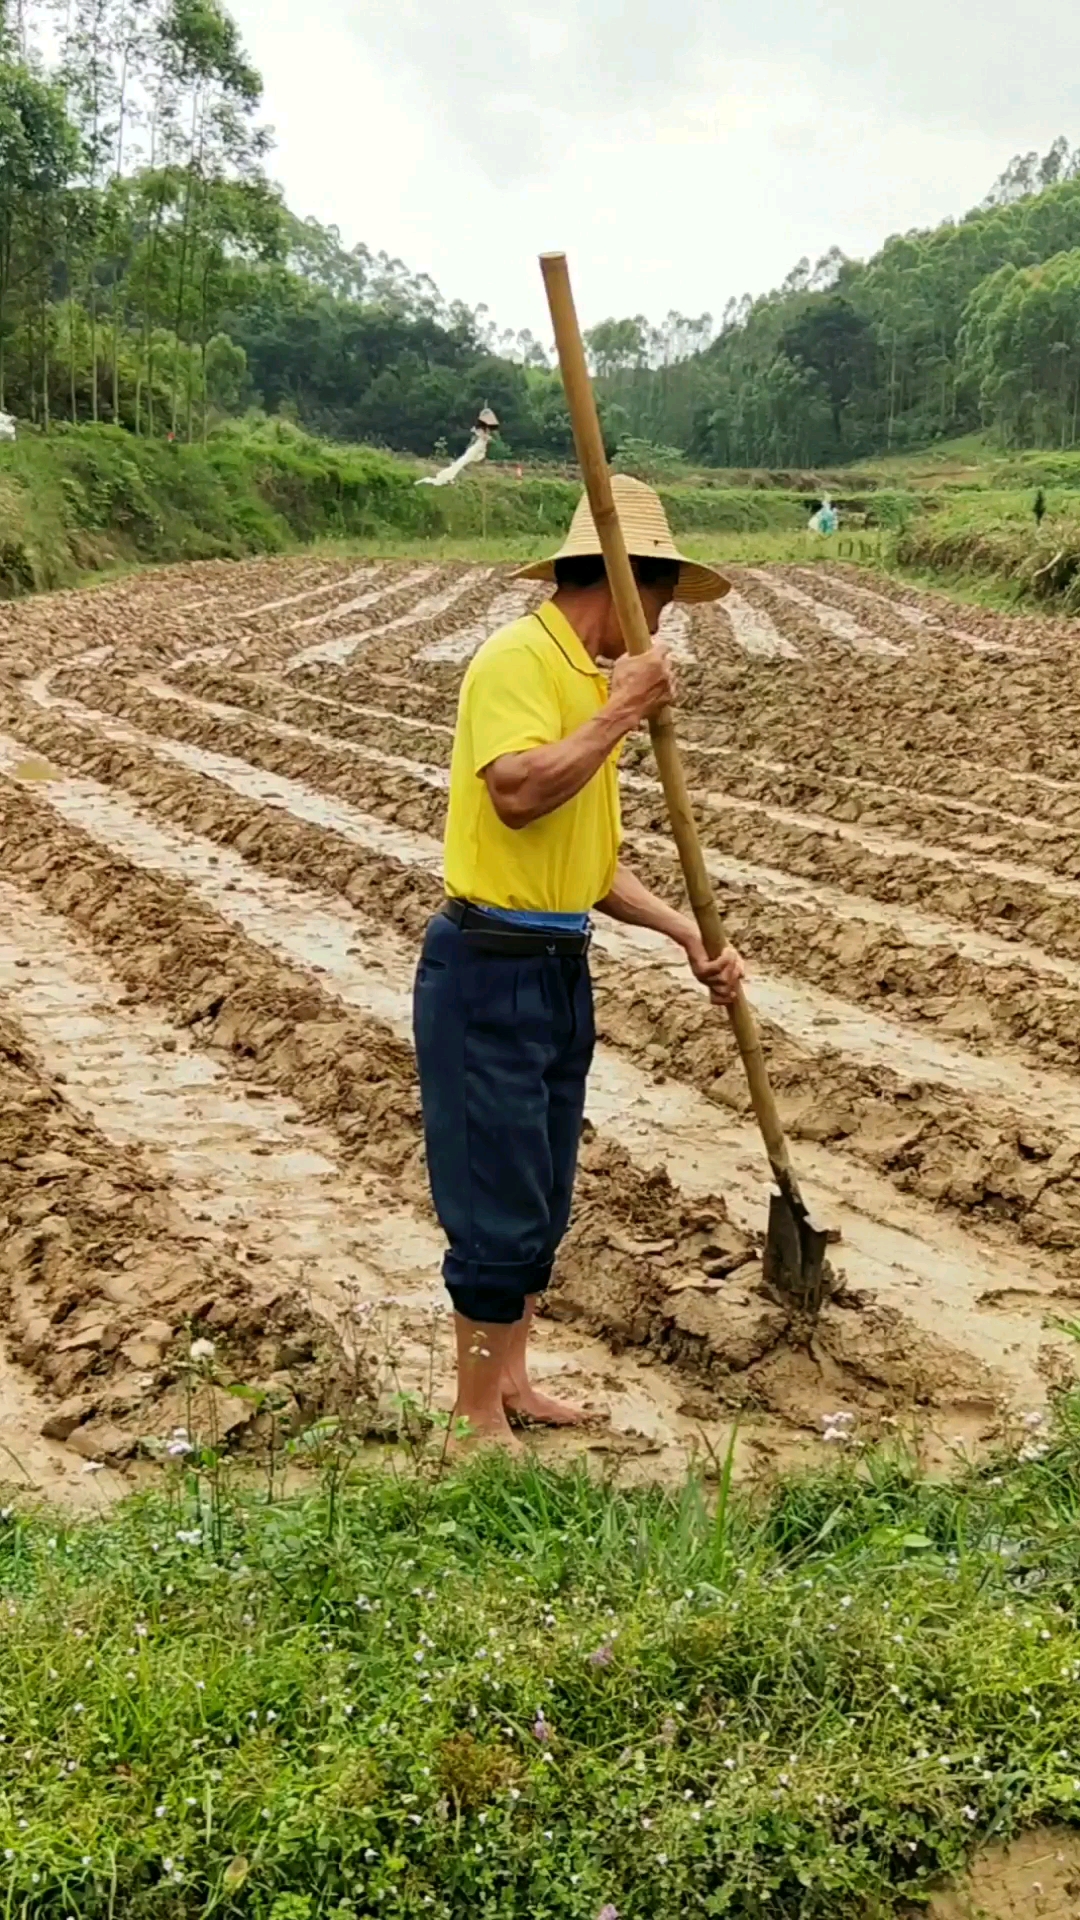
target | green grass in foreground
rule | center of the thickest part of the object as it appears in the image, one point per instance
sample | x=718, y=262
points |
x=520, y=1694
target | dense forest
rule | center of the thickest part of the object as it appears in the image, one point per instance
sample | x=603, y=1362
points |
x=151, y=276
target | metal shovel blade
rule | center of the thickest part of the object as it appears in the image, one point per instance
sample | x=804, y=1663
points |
x=794, y=1262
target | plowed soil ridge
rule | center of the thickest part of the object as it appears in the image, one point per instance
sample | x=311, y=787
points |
x=225, y=789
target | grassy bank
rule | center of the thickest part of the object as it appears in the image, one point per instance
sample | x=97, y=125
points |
x=520, y=1694
x=81, y=500
x=991, y=541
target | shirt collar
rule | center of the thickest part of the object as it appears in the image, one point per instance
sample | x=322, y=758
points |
x=555, y=622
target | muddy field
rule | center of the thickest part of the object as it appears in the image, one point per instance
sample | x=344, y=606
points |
x=221, y=795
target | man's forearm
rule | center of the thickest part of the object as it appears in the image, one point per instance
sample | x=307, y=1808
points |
x=526, y=786
x=631, y=902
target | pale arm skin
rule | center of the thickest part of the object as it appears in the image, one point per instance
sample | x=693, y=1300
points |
x=526, y=786
x=631, y=903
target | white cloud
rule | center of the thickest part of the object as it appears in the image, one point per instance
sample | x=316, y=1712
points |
x=681, y=153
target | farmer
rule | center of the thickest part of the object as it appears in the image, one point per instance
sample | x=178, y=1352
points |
x=503, y=1002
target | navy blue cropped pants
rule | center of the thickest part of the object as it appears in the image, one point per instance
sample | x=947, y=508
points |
x=504, y=1047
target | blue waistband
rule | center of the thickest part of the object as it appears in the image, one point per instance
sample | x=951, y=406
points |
x=543, y=922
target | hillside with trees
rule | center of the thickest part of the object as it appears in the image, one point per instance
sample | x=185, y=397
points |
x=151, y=277
x=975, y=323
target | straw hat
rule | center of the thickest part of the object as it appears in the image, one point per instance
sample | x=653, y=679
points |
x=648, y=537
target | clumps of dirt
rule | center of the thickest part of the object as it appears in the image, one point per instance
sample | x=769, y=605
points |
x=278, y=700
x=273, y=1019
x=1034, y=1877
x=950, y=1148
x=965, y=826
x=104, y=1281
x=972, y=895
x=347, y=1069
x=862, y=959
x=137, y=612
x=876, y=614
x=402, y=795
x=644, y=1267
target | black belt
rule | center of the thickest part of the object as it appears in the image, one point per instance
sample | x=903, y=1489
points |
x=517, y=943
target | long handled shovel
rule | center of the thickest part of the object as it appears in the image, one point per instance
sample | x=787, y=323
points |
x=795, y=1265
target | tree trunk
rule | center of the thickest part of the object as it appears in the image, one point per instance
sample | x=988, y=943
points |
x=5, y=276
x=182, y=280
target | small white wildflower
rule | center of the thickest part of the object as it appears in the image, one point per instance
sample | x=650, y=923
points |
x=159, y=1813
x=202, y=1350
x=971, y=1813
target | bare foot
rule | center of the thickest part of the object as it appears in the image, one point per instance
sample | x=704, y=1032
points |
x=526, y=1403
x=466, y=1437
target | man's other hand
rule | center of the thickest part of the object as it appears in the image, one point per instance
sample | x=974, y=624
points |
x=723, y=976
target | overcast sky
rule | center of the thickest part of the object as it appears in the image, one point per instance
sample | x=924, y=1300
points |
x=679, y=150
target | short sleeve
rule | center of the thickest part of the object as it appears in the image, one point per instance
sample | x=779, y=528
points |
x=513, y=705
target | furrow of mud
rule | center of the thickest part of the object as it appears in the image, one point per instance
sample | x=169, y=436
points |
x=340, y=648
x=1014, y=901
x=249, y=847
x=946, y=1129
x=835, y=621
x=356, y=1072
x=897, y=959
x=241, y=1181
x=960, y=825
x=724, y=1332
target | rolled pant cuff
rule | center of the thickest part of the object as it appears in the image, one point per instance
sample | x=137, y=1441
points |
x=493, y=1295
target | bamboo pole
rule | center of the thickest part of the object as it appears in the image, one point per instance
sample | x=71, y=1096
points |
x=594, y=467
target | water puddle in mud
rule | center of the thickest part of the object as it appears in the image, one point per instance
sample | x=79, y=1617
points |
x=335, y=653
x=842, y=626
x=755, y=631
x=460, y=645
x=396, y=583
x=905, y=1253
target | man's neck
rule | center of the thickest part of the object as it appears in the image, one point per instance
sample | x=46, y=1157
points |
x=587, y=612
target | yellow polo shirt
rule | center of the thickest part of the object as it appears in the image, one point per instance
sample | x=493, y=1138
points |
x=529, y=685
